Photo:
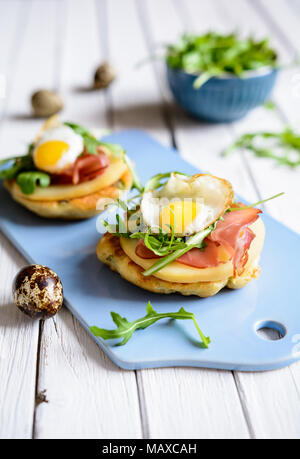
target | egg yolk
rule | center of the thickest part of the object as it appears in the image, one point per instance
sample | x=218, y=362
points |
x=179, y=214
x=49, y=153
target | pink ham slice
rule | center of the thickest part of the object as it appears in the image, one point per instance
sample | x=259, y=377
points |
x=228, y=230
x=197, y=258
x=143, y=251
x=232, y=233
x=242, y=246
x=87, y=167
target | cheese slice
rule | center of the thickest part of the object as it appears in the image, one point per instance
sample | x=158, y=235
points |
x=112, y=174
x=177, y=272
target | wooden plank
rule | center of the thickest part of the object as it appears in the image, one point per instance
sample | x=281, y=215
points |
x=192, y=403
x=271, y=399
x=18, y=334
x=269, y=177
x=86, y=395
x=135, y=97
x=202, y=143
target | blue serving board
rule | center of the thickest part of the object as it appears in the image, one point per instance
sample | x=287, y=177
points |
x=230, y=318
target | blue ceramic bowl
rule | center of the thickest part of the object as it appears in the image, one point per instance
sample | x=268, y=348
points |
x=222, y=99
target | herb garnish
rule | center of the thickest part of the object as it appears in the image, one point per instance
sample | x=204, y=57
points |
x=125, y=329
x=156, y=181
x=213, y=54
x=233, y=209
x=28, y=181
x=91, y=143
x=22, y=169
x=283, y=147
x=191, y=243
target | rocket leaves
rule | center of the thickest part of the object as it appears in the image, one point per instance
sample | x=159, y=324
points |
x=283, y=147
x=213, y=54
x=125, y=329
x=28, y=181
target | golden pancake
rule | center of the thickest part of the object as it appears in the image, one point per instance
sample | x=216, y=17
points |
x=76, y=208
x=110, y=252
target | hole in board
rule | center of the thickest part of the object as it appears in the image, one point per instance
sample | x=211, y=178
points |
x=270, y=330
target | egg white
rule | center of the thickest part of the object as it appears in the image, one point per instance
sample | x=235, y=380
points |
x=212, y=195
x=65, y=134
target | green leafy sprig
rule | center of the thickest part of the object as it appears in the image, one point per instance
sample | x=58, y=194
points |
x=285, y=149
x=91, y=143
x=22, y=169
x=162, y=243
x=125, y=329
x=233, y=209
x=193, y=242
x=28, y=181
x=213, y=54
x=157, y=180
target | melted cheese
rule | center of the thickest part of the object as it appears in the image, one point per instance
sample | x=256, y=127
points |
x=112, y=174
x=177, y=272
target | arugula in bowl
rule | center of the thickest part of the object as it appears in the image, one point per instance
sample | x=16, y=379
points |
x=215, y=55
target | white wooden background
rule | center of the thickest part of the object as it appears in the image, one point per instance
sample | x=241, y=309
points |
x=54, y=380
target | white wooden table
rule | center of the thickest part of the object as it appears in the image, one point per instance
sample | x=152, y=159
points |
x=54, y=380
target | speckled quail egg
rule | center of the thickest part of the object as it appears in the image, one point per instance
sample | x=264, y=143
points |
x=46, y=103
x=38, y=291
x=104, y=76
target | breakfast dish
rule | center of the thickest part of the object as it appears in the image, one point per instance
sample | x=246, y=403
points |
x=185, y=235
x=67, y=173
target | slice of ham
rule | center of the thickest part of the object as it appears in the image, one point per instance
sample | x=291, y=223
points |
x=197, y=258
x=232, y=233
x=142, y=251
x=227, y=230
x=242, y=246
x=86, y=167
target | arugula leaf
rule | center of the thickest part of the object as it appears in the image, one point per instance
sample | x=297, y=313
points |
x=233, y=209
x=28, y=181
x=155, y=181
x=92, y=143
x=283, y=147
x=270, y=105
x=125, y=329
x=19, y=164
x=6, y=160
x=116, y=149
x=161, y=244
x=213, y=54
x=136, y=181
x=193, y=242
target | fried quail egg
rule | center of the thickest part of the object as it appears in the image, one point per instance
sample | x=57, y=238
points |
x=57, y=149
x=188, y=204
